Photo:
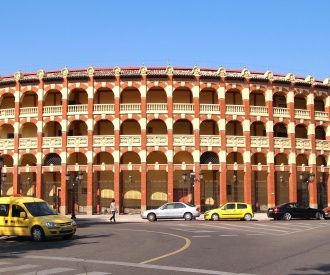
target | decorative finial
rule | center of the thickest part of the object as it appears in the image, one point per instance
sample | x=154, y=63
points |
x=196, y=71
x=221, y=72
x=290, y=77
x=269, y=75
x=90, y=71
x=117, y=71
x=18, y=75
x=65, y=72
x=143, y=70
x=41, y=74
x=169, y=70
x=326, y=81
x=310, y=79
x=246, y=73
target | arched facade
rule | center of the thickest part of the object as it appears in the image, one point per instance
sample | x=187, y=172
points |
x=146, y=136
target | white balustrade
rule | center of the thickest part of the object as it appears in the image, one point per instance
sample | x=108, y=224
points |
x=7, y=113
x=209, y=108
x=131, y=108
x=103, y=140
x=301, y=113
x=52, y=110
x=183, y=140
x=321, y=115
x=130, y=140
x=235, y=109
x=259, y=142
x=157, y=140
x=323, y=145
x=281, y=112
x=259, y=110
x=157, y=108
x=210, y=140
x=28, y=111
x=28, y=143
x=280, y=142
x=104, y=108
x=6, y=144
x=78, y=109
x=235, y=141
x=183, y=108
x=51, y=142
x=77, y=141
x=302, y=143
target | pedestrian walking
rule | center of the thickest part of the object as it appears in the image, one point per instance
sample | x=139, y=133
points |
x=113, y=210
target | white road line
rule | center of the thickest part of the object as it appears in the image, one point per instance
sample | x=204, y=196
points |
x=95, y=273
x=146, y=266
x=228, y=235
x=201, y=236
x=2, y=263
x=16, y=268
x=48, y=271
x=255, y=234
x=256, y=228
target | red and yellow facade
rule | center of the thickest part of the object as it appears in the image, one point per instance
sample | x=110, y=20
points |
x=146, y=136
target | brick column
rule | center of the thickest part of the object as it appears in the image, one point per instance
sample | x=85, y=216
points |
x=16, y=176
x=90, y=154
x=270, y=155
x=143, y=125
x=292, y=157
x=222, y=182
x=327, y=109
x=247, y=153
x=39, y=156
x=64, y=189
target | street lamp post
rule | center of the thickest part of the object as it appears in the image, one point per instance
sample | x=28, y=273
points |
x=76, y=180
x=306, y=180
x=192, y=181
x=1, y=165
x=235, y=185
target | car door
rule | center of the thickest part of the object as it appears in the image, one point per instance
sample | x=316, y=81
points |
x=166, y=211
x=4, y=225
x=228, y=211
x=180, y=209
x=19, y=226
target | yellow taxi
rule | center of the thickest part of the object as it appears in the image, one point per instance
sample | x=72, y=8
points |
x=230, y=210
x=33, y=217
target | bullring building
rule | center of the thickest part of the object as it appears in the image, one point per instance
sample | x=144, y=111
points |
x=146, y=136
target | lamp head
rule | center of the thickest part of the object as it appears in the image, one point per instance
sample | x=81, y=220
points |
x=67, y=176
x=80, y=175
x=301, y=176
x=201, y=175
x=311, y=177
x=184, y=176
x=1, y=162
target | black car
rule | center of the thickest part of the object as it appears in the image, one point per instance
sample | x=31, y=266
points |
x=293, y=210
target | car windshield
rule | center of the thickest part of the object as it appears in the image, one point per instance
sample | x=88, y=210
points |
x=37, y=209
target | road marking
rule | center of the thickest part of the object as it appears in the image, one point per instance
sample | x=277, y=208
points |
x=146, y=266
x=48, y=271
x=95, y=273
x=255, y=234
x=16, y=268
x=228, y=235
x=252, y=227
x=201, y=236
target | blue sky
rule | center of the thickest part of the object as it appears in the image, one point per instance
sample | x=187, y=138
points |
x=282, y=36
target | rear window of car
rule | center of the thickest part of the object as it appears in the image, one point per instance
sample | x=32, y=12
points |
x=180, y=205
x=241, y=206
x=4, y=210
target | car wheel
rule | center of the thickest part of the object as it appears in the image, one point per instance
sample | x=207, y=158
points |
x=37, y=234
x=188, y=216
x=215, y=217
x=287, y=216
x=151, y=217
x=67, y=237
x=318, y=216
x=247, y=217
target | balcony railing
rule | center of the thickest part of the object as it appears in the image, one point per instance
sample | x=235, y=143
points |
x=209, y=109
x=77, y=141
x=28, y=143
x=132, y=108
x=157, y=108
x=157, y=140
x=298, y=113
x=187, y=108
x=280, y=142
x=28, y=111
x=259, y=142
x=323, y=145
x=77, y=109
x=302, y=143
x=235, y=109
x=7, y=113
x=321, y=115
x=104, y=108
x=281, y=112
x=259, y=110
x=210, y=140
x=52, y=142
x=235, y=141
x=6, y=143
x=52, y=110
x=183, y=140
x=104, y=140
x=130, y=140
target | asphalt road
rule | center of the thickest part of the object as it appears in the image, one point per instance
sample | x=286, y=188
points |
x=176, y=247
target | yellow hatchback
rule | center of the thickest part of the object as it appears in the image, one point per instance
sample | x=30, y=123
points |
x=230, y=210
x=33, y=217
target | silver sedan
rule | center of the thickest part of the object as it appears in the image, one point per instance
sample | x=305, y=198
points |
x=173, y=210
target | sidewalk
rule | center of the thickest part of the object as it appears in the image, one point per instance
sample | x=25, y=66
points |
x=137, y=218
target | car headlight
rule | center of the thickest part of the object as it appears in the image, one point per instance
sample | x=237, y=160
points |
x=51, y=224
x=73, y=222
x=207, y=212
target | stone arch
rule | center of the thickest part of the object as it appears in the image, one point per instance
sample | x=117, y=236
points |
x=130, y=157
x=156, y=156
x=209, y=157
x=52, y=159
x=320, y=133
x=52, y=129
x=280, y=130
x=182, y=95
x=208, y=127
x=28, y=129
x=8, y=160
x=29, y=99
x=301, y=131
x=103, y=127
x=104, y=95
x=77, y=128
x=130, y=95
x=130, y=127
x=156, y=95
x=321, y=160
x=257, y=158
x=77, y=157
x=77, y=96
x=208, y=96
x=29, y=159
x=6, y=131
x=233, y=97
x=258, y=128
x=281, y=158
x=183, y=156
x=279, y=100
x=300, y=102
x=53, y=98
x=182, y=127
x=257, y=98
x=103, y=157
x=302, y=160
x=234, y=128
x=156, y=126
x=7, y=101
x=234, y=157
x=319, y=104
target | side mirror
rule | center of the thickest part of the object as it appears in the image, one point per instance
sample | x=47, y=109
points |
x=22, y=215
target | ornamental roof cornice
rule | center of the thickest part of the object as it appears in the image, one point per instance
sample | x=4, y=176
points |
x=190, y=72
